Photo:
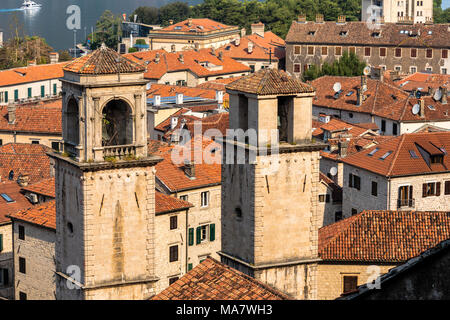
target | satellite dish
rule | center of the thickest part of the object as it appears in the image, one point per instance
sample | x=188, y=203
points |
x=367, y=71
x=333, y=171
x=416, y=109
x=337, y=87
x=437, y=95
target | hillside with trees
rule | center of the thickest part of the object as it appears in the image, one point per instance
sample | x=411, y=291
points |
x=18, y=51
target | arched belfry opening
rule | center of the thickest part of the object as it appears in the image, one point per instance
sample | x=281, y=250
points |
x=73, y=122
x=117, y=124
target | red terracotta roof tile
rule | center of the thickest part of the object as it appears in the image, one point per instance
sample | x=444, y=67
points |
x=383, y=236
x=240, y=51
x=103, y=61
x=199, y=25
x=45, y=187
x=167, y=204
x=31, y=74
x=13, y=190
x=212, y=280
x=42, y=215
x=41, y=117
x=25, y=158
x=270, y=81
x=401, y=162
x=424, y=81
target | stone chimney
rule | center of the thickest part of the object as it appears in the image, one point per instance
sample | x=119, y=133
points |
x=189, y=169
x=342, y=19
x=170, y=21
x=213, y=51
x=444, y=95
x=364, y=83
x=179, y=98
x=23, y=180
x=377, y=73
x=173, y=122
x=197, y=46
x=422, y=108
x=359, y=97
x=221, y=56
x=250, y=47
x=11, y=113
x=243, y=32
x=181, y=58
x=237, y=42
x=173, y=48
x=302, y=18
x=157, y=58
x=190, y=22
x=319, y=18
x=54, y=57
x=157, y=100
x=343, y=148
x=258, y=28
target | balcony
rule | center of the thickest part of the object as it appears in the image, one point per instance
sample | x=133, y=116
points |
x=405, y=203
x=119, y=152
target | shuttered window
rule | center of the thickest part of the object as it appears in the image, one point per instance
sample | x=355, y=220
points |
x=173, y=253
x=198, y=235
x=16, y=95
x=189, y=266
x=447, y=188
x=1, y=242
x=382, y=52
x=30, y=93
x=191, y=236
x=42, y=91
x=173, y=222
x=21, y=232
x=413, y=53
x=212, y=232
x=398, y=52
x=350, y=283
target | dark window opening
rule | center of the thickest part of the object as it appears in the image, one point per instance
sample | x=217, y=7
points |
x=374, y=188
x=172, y=280
x=338, y=216
x=350, y=284
x=22, y=296
x=22, y=265
x=21, y=232
x=117, y=124
x=354, y=211
x=173, y=253
x=173, y=222
x=284, y=111
x=73, y=122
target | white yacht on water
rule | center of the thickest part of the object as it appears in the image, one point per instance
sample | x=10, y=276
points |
x=27, y=5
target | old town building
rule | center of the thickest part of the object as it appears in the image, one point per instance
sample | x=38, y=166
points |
x=409, y=172
x=187, y=34
x=398, y=11
x=404, y=47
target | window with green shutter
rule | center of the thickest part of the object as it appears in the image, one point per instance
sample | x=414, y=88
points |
x=199, y=235
x=189, y=266
x=6, y=96
x=42, y=91
x=54, y=89
x=29, y=93
x=1, y=242
x=212, y=232
x=16, y=95
x=191, y=236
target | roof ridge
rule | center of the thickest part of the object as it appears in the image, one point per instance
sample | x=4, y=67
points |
x=404, y=107
x=397, y=152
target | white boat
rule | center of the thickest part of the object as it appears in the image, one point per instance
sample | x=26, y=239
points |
x=27, y=5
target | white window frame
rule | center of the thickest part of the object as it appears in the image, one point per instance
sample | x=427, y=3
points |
x=202, y=202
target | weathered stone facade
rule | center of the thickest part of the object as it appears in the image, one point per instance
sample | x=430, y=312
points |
x=6, y=261
x=38, y=250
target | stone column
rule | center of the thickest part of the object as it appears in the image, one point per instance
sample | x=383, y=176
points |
x=97, y=124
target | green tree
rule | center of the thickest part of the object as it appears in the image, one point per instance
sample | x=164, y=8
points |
x=64, y=55
x=176, y=11
x=147, y=15
x=349, y=65
x=108, y=30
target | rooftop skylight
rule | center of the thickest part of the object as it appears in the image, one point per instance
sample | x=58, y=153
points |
x=384, y=156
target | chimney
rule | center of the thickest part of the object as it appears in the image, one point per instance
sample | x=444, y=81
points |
x=422, y=108
x=181, y=58
x=213, y=51
x=11, y=113
x=431, y=91
x=173, y=122
x=359, y=97
x=31, y=63
x=170, y=21
x=219, y=96
x=364, y=83
x=444, y=95
x=54, y=57
x=343, y=148
x=197, y=46
x=221, y=55
x=258, y=28
x=377, y=73
x=157, y=100
x=243, y=32
x=173, y=48
x=302, y=18
x=237, y=42
x=189, y=22
x=319, y=18
x=23, y=180
x=189, y=168
x=250, y=47
x=341, y=19
x=179, y=98
x=157, y=58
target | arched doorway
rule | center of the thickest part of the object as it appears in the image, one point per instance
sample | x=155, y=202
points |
x=73, y=122
x=117, y=124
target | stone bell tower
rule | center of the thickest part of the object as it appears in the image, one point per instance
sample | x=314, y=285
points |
x=104, y=182
x=269, y=201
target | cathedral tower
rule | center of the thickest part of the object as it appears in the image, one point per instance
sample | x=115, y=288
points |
x=269, y=203
x=104, y=182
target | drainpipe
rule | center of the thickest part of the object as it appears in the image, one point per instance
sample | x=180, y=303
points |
x=389, y=195
x=187, y=241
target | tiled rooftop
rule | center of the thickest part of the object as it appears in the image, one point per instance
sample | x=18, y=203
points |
x=31, y=74
x=199, y=25
x=24, y=158
x=409, y=155
x=168, y=204
x=103, y=61
x=45, y=187
x=212, y=280
x=268, y=82
x=43, y=215
x=40, y=117
x=19, y=202
x=423, y=81
x=383, y=236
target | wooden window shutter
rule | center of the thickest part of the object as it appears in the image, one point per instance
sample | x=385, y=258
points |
x=350, y=178
x=199, y=234
x=1, y=242
x=447, y=187
x=212, y=232
x=438, y=189
x=189, y=266
x=327, y=198
x=350, y=283
x=191, y=236
x=424, y=190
